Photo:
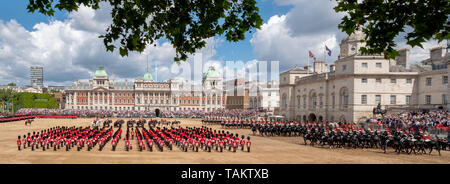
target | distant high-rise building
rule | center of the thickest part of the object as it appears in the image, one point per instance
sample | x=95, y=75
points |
x=37, y=76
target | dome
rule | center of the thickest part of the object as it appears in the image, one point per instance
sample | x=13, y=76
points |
x=212, y=72
x=147, y=76
x=100, y=72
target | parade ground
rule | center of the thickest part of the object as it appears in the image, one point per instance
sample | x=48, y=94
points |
x=264, y=150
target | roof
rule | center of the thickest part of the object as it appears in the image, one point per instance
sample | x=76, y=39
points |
x=100, y=72
x=296, y=70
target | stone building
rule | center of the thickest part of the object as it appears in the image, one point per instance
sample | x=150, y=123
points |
x=354, y=84
x=146, y=94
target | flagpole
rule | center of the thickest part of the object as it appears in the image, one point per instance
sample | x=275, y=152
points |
x=307, y=66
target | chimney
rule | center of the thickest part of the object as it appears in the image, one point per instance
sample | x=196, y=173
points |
x=403, y=59
x=307, y=67
x=436, y=54
x=332, y=68
x=319, y=67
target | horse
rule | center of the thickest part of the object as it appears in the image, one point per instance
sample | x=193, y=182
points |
x=96, y=124
x=28, y=121
x=254, y=129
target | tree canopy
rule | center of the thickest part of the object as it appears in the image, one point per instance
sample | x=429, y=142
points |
x=383, y=20
x=185, y=23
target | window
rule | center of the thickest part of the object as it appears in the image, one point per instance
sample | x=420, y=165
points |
x=377, y=99
x=333, y=101
x=444, y=99
x=270, y=94
x=320, y=101
x=428, y=81
x=378, y=80
x=364, y=80
x=313, y=102
x=445, y=79
x=363, y=99
x=304, y=102
x=378, y=65
x=344, y=67
x=428, y=99
x=393, y=81
x=393, y=99
x=364, y=65
x=408, y=99
x=344, y=98
x=298, y=102
x=409, y=81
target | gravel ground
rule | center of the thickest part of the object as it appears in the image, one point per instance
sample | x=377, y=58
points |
x=265, y=150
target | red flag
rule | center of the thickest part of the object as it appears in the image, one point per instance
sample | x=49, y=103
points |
x=311, y=55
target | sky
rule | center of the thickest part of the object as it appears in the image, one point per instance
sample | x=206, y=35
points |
x=68, y=47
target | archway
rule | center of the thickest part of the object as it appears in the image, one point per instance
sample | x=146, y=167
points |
x=298, y=118
x=312, y=117
x=320, y=118
x=157, y=112
x=304, y=118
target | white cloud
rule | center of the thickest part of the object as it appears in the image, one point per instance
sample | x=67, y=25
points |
x=417, y=54
x=71, y=50
x=276, y=42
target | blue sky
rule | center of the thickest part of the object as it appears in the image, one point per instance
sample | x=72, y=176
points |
x=68, y=47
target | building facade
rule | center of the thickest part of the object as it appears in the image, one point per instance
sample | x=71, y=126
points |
x=146, y=94
x=351, y=87
x=37, y=76
x=264, y=96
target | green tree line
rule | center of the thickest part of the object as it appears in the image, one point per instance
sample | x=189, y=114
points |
x=27, y=100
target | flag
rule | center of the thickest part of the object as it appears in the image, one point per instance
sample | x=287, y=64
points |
x=328, y=50
x=311, y=55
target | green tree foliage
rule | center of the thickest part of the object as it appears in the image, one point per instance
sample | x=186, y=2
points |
x=383, y=20
x=12, y=84
x=185, y=23
x=9, y=96
x=27, y=100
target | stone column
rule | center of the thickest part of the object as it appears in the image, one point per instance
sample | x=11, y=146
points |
x=75, y=99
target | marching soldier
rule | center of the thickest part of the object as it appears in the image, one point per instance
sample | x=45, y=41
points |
x=221, y=144
x=170, y=143
x=197, y=144
x=235, y=144
x=19, y=143
x=249, y=143
x=24, y=141
x=150, y=145
x=209, y=144
x=114, y=144
x=242, y=142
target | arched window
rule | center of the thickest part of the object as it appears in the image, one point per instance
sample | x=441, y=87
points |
x=284, y=100
x=344, y=97
x=298, y=102
x=312, y=99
